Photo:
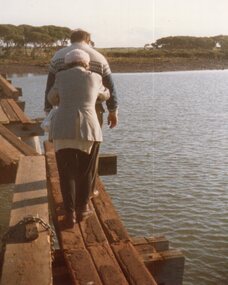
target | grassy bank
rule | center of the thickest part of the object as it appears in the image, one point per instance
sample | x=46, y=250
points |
x=122, y=60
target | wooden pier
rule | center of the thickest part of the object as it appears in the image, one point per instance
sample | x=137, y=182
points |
x=97, y=251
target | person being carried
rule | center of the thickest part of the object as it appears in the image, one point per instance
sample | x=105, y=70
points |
x=76, y=132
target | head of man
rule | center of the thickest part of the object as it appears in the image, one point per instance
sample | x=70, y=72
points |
x=77, y=57
x=80, y=35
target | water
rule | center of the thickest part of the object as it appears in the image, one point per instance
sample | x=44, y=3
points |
x=172, y=147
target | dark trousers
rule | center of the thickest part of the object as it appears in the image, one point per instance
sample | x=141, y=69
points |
x=77, y=173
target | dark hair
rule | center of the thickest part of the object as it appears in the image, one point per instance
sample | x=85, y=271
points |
x=79, y=36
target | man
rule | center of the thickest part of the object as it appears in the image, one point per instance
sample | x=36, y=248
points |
x=80, y=39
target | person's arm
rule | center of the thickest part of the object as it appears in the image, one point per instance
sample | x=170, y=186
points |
x=49, y=84
x=112, y=103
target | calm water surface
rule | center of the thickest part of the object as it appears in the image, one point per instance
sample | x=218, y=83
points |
x=172, y=147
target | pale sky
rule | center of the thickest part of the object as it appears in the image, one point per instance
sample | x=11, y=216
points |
x=122, y=23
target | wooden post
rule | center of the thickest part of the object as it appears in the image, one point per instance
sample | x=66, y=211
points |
x=28, y=262
x=166, y=265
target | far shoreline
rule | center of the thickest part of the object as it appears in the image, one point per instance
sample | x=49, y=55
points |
x=157, y=65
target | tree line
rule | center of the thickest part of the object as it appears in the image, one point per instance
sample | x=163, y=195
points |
x=187, y=42
x=31, y=41
x=26, y=35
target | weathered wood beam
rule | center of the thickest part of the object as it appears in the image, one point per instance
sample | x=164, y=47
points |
x=7, y=108
x=132, y=265
x=30, y=129
x=107, y=164
x=17, y=110
x=117, y=236
x=8, y=89
x=166, y=265
x=158, y=243
x=3, y=117
x=8, y=168
x=17, y=143
x=108, y=216
x=101, y=252
x=28, y=262
x=12, y=148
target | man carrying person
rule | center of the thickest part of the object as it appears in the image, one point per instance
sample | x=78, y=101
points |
x=81, y=39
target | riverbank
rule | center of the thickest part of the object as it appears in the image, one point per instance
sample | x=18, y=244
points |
x=136, y=65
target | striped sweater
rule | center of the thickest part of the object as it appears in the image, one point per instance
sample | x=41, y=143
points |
x=98, y=64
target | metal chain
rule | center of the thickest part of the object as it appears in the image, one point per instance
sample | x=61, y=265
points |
x=31, y=219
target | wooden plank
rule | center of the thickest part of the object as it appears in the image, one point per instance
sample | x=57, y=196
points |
x=17, y=110
x=81, y=267
x=128, y=258
x=60, y=273
x=107, y=164
x=108, y=216
x=12, y=116
x=9, y=150
x=159, y=243
x=107, y=266
x=101, y=252
x=18, y=144
x=8, y=168
x=28, y=262
x=30, y=129
x=8, y=89
x=9, y=157
x=132, y=264
x=3, y=118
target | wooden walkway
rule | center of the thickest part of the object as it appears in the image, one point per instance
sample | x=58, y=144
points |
x=97, y=251
x=27, y=259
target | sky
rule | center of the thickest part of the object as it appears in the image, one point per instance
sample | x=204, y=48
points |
x=122, y=23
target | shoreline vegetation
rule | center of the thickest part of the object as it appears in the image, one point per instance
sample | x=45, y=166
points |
x=28, y=49
x=125, y=66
